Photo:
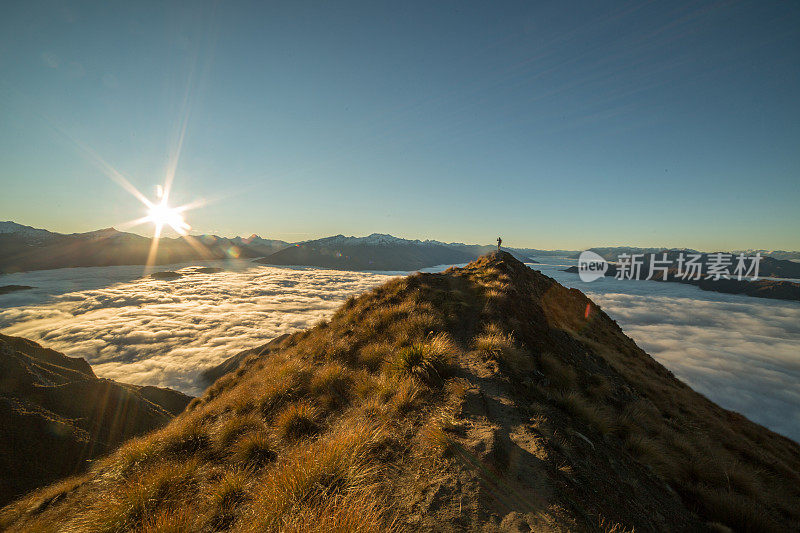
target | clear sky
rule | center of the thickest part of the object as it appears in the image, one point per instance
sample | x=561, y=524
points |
x=554, y=124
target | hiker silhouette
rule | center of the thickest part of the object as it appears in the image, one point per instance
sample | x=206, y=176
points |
x=499, y=242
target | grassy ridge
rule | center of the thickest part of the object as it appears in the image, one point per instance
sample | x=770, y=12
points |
x=483, y=397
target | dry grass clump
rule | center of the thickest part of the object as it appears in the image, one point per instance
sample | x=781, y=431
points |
x=284, y=384
x=494, y=344
x=560, y=375
x=587, y=411
x=428, y=361
x=297, y=420
x=227, y=495
x=337, y=474
x=331, y=385
x=138, y=502
x=133, y=455
x=40, y=500
x=254, y=450
x=236, y=426
x=608, y=526
x=736, y=511
x=186, y=439
x=373, y=355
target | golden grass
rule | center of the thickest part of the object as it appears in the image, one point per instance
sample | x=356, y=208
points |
x=298, y=420
x=140, y=501
x=428, y=361
x=332, y=385
x=254, y=450
x=586, y=411
x=494, y=344
x=234, y=427
x=335, y=473
x=227, y=495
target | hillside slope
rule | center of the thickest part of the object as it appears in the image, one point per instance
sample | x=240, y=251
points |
x=55, y=414
x=486, y=398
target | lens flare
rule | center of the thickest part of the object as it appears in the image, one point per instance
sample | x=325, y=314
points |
x=163, y=215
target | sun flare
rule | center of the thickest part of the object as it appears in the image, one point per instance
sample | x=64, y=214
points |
x=163, y=215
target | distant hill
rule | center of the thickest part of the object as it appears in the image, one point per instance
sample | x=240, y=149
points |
x=374, y=252
x=23, y=248
x=262, y=247
x=55, y=415
x=483, y=398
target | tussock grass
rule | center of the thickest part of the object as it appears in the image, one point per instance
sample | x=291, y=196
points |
x=297, y=420
x=255, y=450
x=494, y=344
x=234, y=427
x=374, y=355
x=187, y=439
x=332, y=385
x=227, y=495
x=587, y=411
x=406, y=395
x=139, y=502
x=428, y=361
x=560, y=375
x=335, y=473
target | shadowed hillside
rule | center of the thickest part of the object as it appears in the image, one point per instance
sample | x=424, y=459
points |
x=483, y=398
x=55, y=415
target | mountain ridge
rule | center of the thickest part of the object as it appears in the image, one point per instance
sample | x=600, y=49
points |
x=487, y=397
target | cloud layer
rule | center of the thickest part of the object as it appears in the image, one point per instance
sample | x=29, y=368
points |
x=148, y=331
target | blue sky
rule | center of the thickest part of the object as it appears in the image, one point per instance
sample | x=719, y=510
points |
x=553, y=124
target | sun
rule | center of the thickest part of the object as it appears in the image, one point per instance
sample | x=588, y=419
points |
x=162, y=215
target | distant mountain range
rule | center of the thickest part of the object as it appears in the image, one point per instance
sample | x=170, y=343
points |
x=56, y=415
x=24, y=248
x=374, y=252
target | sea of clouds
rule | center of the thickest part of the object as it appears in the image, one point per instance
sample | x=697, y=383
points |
x=741, y=352
x=159, y=332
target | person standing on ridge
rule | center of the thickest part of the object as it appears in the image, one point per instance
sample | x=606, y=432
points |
x=499, y=242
